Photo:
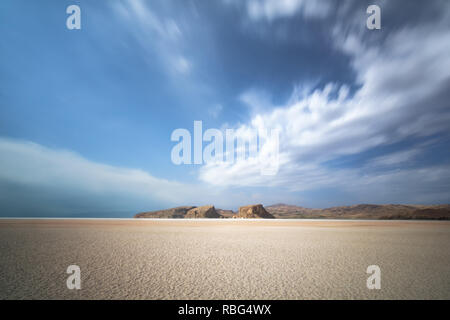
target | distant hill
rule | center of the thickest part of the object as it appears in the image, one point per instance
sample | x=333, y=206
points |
x=285, y=211
x=184, y=212
x=363, y=211
x=174, y=213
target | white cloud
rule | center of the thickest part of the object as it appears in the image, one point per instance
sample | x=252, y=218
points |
x=403, y=82
x=396, y=158
x=257, y=100
x=276, y=9
x=40, y=181
x=67, y=177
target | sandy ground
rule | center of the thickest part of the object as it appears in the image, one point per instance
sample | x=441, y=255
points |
x=224, y=259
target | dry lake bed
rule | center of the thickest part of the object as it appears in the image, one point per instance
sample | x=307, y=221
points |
x=223, y=259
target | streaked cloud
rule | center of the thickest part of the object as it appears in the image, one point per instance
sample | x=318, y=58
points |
x=396, y=158
x=70, y=183
x=275, y=9
x=41, y=181
x=155, y=32
x=363, y=115
x=402, y=94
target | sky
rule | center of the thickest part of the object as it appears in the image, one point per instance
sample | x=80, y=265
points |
x=86, y=116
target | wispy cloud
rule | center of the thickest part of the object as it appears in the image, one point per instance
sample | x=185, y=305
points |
x=396, y=158
x=276, y=9
x=403, y=93
x=40, y=181
x=73, y=184
x=154, y=32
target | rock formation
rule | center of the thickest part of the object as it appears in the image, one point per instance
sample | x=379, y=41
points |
x=178, y=212
x=255, y=211
x=202, y=212
x=225, y=213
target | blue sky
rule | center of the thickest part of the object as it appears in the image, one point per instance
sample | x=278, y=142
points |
x=86, y=115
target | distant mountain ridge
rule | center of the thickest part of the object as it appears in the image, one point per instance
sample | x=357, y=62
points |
x=363, y=211
x=286, y=211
